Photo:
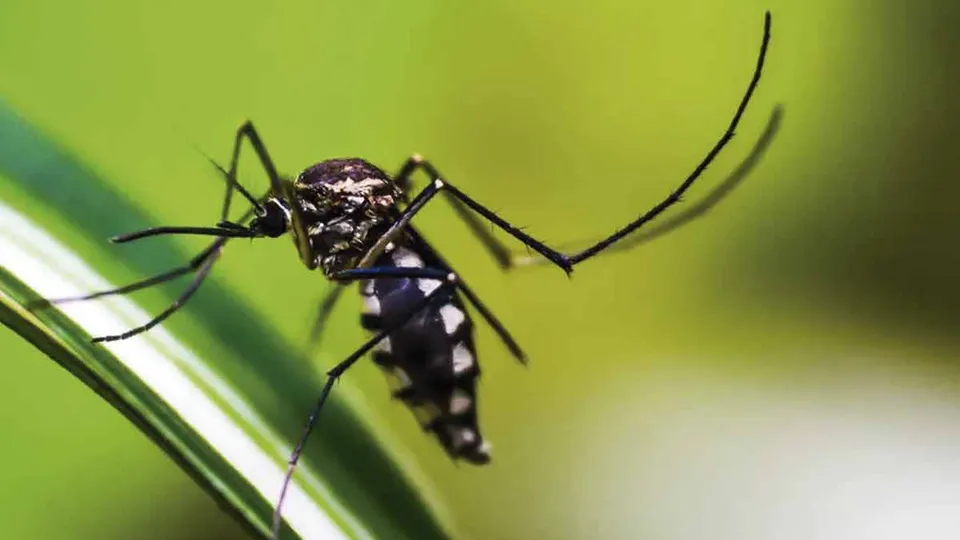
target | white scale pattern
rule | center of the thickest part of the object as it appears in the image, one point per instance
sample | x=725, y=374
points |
x=452, y=318
x=371, y=305
x=459, y=402
x=404, y=258
x=403, y=379
x=427, y=286
x=461, y=436
x=383, y=346
x=462, y=359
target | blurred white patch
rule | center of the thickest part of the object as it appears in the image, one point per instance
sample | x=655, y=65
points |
x=873, y=456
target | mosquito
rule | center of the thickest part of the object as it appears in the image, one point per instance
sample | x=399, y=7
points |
x=351, y=220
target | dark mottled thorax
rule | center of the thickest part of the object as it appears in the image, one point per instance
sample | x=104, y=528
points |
x=346, y=204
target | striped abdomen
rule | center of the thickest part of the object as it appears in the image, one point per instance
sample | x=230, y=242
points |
x=431, y=360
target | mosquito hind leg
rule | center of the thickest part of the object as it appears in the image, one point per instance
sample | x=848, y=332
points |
x=473, y=299
x=448, y=282
x=323, y=314
x=562, y=260
x=691, y=213
x=501, y=255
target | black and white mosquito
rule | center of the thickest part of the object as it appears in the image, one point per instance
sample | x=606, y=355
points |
x=351, y=220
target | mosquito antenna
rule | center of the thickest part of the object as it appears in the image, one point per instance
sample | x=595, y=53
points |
x=232, y=182
x=202, y=231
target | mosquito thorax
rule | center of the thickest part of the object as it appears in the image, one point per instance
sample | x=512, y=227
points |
x=346, y=204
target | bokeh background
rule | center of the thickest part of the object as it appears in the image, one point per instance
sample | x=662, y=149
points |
x=783, y=368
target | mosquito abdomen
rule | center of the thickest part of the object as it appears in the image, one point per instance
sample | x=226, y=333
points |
x=431, y=360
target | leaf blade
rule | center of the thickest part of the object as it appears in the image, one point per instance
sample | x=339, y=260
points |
x=348, y=458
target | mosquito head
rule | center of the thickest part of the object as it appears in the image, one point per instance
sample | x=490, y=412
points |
x=346, y=204
x=274, y=220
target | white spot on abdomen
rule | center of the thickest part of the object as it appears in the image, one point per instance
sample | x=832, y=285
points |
x=427, y=286
x=462, y=359
x=452, y=318
x=403, y=380
x=404, y=258
x=371, y=305
x=485, y=448
x=383, y=346
x=461, y=436
x=367, y=288
x=459, y=402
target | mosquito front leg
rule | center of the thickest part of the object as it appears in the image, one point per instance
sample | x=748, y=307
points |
x=202, y=273
x=203, y=262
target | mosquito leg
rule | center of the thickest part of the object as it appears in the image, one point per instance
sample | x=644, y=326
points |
x=697, y=171
x=195, y=263
x=202, y=273
x=501, y=255
x=190, y=267
x=494, y=323
x=354, y=274
x=225, y=227
x=228, y=193
x=434, y=259
x=438, y=274
x=714, y=197
x=422, y=198
x=323, y=313
x=565, y=261
x=202, y=262
x=334, y=373
x=247, y=131
x=278, y=187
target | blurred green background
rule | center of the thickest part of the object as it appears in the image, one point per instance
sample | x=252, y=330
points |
x=783, y=368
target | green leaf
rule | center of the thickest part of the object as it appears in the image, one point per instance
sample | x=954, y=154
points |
x=226, y=419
